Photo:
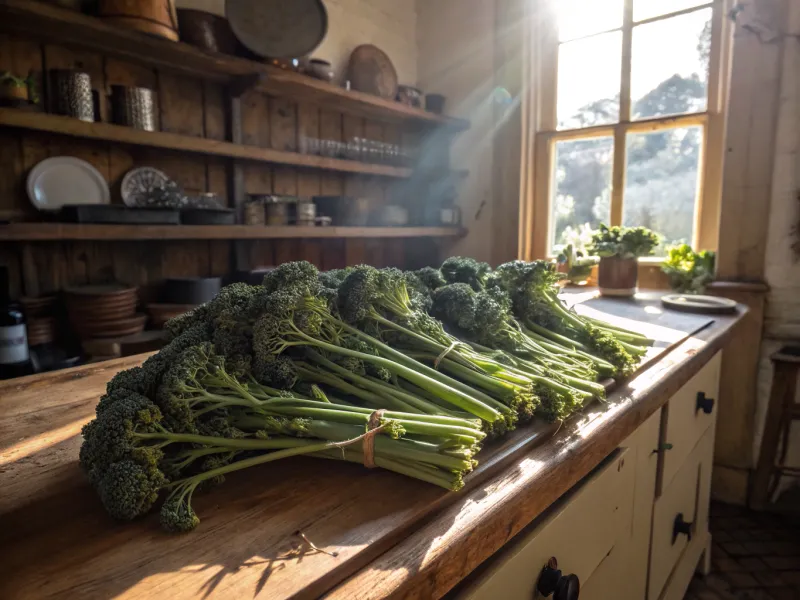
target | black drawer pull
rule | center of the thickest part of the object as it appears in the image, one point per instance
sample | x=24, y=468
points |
x=561, y=587
x=703, y=403
x=681, y=527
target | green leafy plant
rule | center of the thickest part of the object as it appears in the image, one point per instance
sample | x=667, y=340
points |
x=8, y=79
x=624, y=242
x=575, y=264
x=689, y=271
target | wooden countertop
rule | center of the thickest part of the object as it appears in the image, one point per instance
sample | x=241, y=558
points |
x=392, y=536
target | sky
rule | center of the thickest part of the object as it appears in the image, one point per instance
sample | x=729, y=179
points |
x=589, y=68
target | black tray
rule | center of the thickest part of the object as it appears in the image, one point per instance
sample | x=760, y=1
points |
x=208, y=216
x=106, y=213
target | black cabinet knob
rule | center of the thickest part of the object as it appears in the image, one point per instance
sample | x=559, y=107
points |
x=705, y=404
x=681, y=527
x=553, y=583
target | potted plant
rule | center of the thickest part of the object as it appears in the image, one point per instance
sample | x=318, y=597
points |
x=15, y=91
x=575, y=264
x=618, y=249
x=689, y=272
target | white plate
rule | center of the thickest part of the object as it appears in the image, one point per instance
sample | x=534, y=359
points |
x=138, y=182
x=62, y=180
x=699, y=304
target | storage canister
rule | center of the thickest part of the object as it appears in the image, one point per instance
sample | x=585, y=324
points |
x=72, y=94
x=134, y=107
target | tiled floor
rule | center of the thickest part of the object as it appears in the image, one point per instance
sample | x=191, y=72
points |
x=755, y=556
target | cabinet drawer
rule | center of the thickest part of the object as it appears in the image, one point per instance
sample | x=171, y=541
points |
x=687, y=495
x=579, y=532
x=687, y=419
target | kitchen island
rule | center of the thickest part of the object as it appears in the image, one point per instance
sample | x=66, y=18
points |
x=377, y=534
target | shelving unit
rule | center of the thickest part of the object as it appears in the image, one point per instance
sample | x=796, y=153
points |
x=34, y=121
x=43, y=21
x=42, y=232
x=217, y=136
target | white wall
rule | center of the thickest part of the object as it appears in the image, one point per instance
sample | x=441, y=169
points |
x=388, y=24
x=456, y=58
x=782, y=267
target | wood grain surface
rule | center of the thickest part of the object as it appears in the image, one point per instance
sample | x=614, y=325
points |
x=54, y=24
x=178, y=141
x=70, y=231
x=391, y=535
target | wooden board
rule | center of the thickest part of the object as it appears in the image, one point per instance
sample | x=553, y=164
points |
x=69, y=231
x=166, y=140
x=247, y=544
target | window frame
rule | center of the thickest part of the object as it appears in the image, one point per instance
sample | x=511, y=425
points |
x=537, y=231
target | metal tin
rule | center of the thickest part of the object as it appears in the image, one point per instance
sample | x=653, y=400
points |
x=277, y=213
x=254, y=213
x=306, y=211
x=73, y=94
x=134, y=107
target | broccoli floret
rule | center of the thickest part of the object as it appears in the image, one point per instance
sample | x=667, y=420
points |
x=177, y=514
x=299, y=275
x=275, y=371
x=431, y=278
x=197, y=316
x=461, y=269
x=129, y=489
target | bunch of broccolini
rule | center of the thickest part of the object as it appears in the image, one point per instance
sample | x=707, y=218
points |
x=421, y=365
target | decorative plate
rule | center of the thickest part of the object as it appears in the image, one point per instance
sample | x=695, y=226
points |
x=699, y=304
x=138, y=182
x=278, y=28
x=371, y=71
x=62, y=180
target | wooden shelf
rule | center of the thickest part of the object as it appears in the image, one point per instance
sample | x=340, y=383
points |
x=34, y=121
x=42, y=232
x=56, y=25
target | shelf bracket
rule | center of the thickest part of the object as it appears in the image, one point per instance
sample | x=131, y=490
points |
x=243, y=83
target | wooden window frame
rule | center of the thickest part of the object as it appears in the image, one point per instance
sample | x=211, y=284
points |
x=536, y=232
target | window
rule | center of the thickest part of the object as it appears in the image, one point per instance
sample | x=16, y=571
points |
x=630, y=127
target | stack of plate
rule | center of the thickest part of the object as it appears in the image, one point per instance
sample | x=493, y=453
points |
x=38, y=307
x=41, y=325
x=41, y=331
x=103, y=311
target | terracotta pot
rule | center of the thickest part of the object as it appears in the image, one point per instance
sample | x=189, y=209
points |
x=14, y=91
x=618, y=276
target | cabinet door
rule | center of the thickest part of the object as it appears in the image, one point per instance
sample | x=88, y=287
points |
x=580, y=531
x=686, y=500
x=687, y=419
x=681, y=576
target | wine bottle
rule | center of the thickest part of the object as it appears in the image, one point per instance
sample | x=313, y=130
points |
x=15, y=360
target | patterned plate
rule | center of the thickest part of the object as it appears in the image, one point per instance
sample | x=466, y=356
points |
x=138, y=182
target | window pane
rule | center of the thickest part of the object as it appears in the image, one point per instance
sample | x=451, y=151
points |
x=579, y=18
x=646, y=9
x=581, y=189
x=588, y=81
x=661, y=183
x=670, y=66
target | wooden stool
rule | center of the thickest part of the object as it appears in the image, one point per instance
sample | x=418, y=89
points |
x=781, y=412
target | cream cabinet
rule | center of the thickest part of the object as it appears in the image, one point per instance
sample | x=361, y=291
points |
x=637, y=526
